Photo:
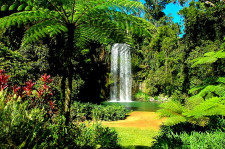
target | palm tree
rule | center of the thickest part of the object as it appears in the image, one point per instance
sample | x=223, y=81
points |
x=79, y=21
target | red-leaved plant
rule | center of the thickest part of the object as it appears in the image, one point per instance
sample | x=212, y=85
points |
x=39, y=93
x=3, y=80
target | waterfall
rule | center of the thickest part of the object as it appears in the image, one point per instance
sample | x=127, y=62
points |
x=121, y=76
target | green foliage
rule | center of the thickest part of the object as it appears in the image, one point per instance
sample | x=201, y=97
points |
x=140, y=96
x=188, y=135
x=78, y=22
x=95, y=136
x=89, y=111
x=203, y=140
x=51, y=21
x=197, y=109
x=20, y=127
x=159, y=63
x=194, y=139
x=26, y=63
x=202, y=23
x=209, y=58
x=25, y=127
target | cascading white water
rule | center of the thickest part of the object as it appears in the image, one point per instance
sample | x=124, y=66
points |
x=121, y=73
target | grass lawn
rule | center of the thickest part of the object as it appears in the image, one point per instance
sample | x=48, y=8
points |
x=135, y=137
x=138, y=130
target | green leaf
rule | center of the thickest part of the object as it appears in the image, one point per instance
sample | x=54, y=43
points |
x=4, y=8
x=220, y=54
x=221, y=80
x=21, y=7
x=28, y=8
x=209, y=54
x=13, y=6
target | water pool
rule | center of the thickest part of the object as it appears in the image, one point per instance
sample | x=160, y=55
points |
x=136, y=105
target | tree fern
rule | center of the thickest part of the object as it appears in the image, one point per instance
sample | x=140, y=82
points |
x=80, y=21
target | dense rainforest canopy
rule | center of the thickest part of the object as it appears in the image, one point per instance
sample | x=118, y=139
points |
x=71, y=40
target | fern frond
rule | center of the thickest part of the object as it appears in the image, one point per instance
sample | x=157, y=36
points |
x=201, y=121
x=26, y=17
x=110, y=11
x=221, y=80
x=21, y=7
x=197, y=88
x=204, y=60
x=209, y=58
x=220, y=54
x=175, y=120
x=13, y=6
x=210, y=54
x=193, y=102
x=208, y=107
x=216, y=89
x=41, y=30
x=171, y=109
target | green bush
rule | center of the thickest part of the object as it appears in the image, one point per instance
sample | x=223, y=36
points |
x=88, y=111
x=95, y=136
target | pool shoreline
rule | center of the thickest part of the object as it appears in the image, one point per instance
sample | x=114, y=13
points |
x=136, y=105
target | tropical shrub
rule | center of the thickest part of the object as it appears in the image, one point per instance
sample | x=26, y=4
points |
x=95, y=136
x=39, y=93
x=22, y=127
x=88, y=111
x=29, y=120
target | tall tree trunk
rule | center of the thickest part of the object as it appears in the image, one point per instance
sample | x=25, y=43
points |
x=63, y=85
x=69, y=69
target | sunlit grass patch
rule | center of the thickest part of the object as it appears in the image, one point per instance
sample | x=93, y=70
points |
x=135, y=137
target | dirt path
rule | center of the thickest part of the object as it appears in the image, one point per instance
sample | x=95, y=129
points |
x=138, y=119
